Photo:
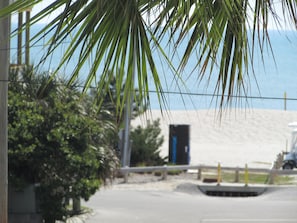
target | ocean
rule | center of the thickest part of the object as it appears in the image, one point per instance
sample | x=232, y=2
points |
x=266, y=88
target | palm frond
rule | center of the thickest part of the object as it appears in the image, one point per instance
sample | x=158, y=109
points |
x=113, y=34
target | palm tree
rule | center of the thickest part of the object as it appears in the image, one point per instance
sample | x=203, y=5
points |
x=114, y=34
x=122, y=35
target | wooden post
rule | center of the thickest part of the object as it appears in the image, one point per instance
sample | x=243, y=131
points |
x=165, y=173
x=4, y=64
x=126, y=177
x=219, y=174
x=236, y=175
x=271, y=177
x=246, y=175
x=199, y=174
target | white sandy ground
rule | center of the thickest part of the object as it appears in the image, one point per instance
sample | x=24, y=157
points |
x=237, y=137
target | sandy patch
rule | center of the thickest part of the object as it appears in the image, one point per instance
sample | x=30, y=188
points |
x=236, y=138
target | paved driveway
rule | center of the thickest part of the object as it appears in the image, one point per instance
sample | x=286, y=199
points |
x=187, y=204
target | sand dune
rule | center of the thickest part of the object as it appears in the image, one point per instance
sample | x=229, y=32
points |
x=236, y=138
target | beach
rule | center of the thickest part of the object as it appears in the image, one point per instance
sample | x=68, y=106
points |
x=234, y=137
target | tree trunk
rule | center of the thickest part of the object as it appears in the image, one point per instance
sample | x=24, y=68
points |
x=4, y=65
x=76, y=206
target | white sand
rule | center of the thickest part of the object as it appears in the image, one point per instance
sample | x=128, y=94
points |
x=239, y=137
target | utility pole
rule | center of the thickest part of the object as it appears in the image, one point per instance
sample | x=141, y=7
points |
x=27, y=45
x=128, y=113
x=127, y=122
x=4, y=65
x=20, y=38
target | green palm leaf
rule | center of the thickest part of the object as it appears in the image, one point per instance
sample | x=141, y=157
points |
x=112, y=35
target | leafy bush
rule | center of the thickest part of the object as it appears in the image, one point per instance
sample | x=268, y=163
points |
x=145, y=145
x=56, y=142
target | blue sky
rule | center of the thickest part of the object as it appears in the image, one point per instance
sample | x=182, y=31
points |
x=39, y=7
x=272, y=25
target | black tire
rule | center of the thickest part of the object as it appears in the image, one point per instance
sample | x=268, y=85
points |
x=287, y=166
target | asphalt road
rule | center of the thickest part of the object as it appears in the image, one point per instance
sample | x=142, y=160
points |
x=187, y=204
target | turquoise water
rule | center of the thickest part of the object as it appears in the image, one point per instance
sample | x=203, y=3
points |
x=274, y=78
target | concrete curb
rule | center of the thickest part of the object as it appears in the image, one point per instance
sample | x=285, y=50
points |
x=75, y=219
x=80, y=218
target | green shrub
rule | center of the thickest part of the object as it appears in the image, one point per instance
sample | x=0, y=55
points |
x=145, y=145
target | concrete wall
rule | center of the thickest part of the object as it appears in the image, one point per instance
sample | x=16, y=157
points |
x=23, y=206
x=24, y=218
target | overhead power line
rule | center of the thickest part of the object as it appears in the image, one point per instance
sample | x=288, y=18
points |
x=180, y=93
x=231, y=96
